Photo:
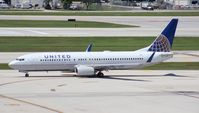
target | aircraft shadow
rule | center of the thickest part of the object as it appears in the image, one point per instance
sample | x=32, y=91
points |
x=105, y=77
x=169, y=74
x=120, y=77
x=124, y=79
x=53, y=76
x=112, y=77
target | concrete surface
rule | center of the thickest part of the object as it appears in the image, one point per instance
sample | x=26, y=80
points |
x=85, y=32
x=179, y=56
x=140, y=91
x=143, y=21
x=137, y=91
x=149, y=26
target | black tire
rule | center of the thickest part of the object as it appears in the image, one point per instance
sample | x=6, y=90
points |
x=26, y=75
x=100, y=74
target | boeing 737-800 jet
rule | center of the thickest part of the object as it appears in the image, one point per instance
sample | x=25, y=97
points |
x=93, y=63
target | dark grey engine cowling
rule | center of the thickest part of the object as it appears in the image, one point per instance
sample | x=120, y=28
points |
x=82, y=70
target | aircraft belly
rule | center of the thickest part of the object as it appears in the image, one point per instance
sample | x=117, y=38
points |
x=40, y=67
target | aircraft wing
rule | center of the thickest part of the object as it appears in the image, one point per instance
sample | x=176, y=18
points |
x=113, y=66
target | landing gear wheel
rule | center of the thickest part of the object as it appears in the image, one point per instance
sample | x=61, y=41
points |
x=26, y=75
x=100, y=74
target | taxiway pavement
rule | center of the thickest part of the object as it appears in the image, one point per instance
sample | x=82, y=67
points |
x=140, y=91
x=92, y=32
x=143, y=21
x=127, y=91
x=149, y=26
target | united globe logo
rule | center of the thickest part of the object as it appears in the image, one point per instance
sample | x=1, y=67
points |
x=161, y=44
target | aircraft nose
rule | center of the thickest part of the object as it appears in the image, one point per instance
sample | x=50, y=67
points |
x=12, y=64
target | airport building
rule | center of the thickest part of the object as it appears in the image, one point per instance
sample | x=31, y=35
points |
x=161, y=4
x=25, y=3
x=182, y=4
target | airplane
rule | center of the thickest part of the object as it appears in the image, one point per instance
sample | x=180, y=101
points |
x=91, y=63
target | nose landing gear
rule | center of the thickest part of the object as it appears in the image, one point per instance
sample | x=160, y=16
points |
x=26, y=75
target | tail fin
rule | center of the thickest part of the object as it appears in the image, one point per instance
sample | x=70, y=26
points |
x=163, y=43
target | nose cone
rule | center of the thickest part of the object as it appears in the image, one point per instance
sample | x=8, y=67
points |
x=12, y=64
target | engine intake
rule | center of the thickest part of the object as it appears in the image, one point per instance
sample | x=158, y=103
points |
x=84, y=70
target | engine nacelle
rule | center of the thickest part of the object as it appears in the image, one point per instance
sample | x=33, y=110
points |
x=84, y=70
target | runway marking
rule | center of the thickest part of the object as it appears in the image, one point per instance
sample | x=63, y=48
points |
x=61, y=85
x=29, y=80
x=189, y=54
x=26, y=102
x=19, y=81
x=188, y=94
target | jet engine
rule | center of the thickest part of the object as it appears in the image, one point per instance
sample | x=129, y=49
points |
x=84, y=70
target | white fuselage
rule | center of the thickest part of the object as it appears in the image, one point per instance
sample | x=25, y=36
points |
x=66, y=61
x=92, y=63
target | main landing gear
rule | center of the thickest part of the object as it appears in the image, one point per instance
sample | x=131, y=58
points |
x=100, y=74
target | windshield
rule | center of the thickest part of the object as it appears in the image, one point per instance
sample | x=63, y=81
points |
x=20, y=59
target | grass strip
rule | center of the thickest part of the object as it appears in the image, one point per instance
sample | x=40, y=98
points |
x=175, y=66
x=4, y=67
x=161, y=66
x=92, y=13
x=60, y=24
x=41, y=44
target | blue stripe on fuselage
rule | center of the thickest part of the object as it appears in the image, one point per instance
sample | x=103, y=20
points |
x=151, y=57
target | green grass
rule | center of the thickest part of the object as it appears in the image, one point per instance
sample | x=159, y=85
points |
x=95, y=7
x=4, y=67
x=60, y=24
x=161, y=66
x=20, y=10
x=87, y=13
x=175, y=66
x=30, y=44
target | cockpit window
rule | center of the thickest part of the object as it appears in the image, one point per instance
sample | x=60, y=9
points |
x=20, y=59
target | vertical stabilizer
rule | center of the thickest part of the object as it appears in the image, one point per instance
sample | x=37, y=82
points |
x=163, y=43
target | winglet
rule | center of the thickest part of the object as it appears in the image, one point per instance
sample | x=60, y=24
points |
x=88, y=49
